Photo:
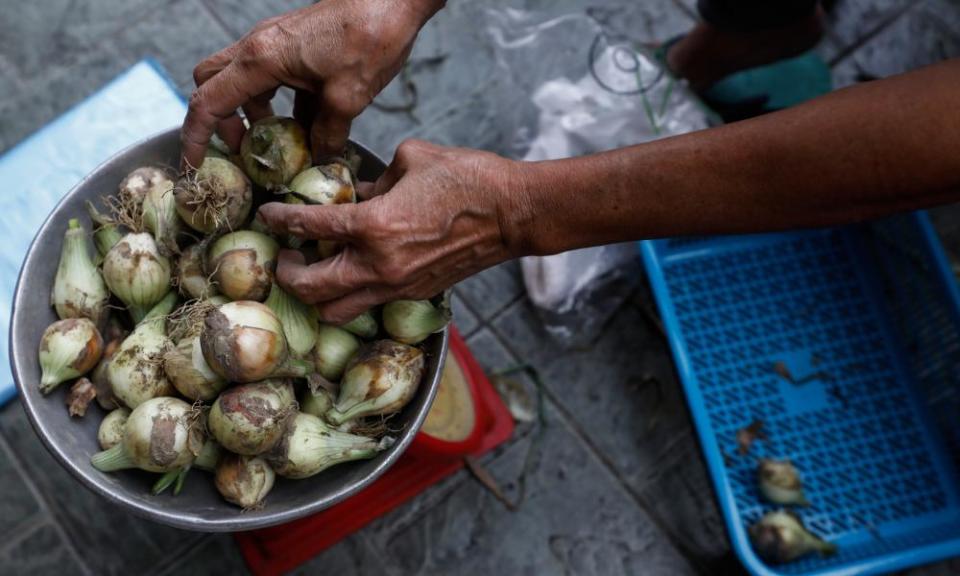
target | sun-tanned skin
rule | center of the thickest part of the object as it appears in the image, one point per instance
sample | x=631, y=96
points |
x=440, y=214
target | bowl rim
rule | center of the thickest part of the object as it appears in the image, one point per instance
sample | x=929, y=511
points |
x=157, y=513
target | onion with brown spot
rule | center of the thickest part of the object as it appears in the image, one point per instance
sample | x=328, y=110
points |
x=250, y=419
x=68, y=349
x=244, y=342
x=218, y=196
x=242, y=264
x=381, y=379
x=137, y=273
x=160, y=435
x=310, y=446
x=244, y=480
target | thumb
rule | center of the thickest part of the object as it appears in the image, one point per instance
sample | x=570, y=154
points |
x=328, y=134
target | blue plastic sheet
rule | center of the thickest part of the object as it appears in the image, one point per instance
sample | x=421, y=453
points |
x=41, y=169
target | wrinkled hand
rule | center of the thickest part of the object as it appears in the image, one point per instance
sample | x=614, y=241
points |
x=436, y=216
x=337, y=55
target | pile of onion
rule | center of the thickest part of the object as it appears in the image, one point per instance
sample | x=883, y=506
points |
x=173, y=321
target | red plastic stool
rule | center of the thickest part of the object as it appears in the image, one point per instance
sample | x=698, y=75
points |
x=278, y=549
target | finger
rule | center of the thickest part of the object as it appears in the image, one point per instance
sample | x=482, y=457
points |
x=217, y=99
x=259, y=107
x=213, y=64
x=388, y=179
x=333, y=222
x=342, y=310
x=321, y=281
x=365, y=190
x=328, y=134
x=231, y=130
x=304, y=107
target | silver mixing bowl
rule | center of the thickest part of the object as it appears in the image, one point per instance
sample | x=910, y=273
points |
x=73, y=441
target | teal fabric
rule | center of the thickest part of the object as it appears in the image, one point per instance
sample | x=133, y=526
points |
x=785, y=83
x=40, y=170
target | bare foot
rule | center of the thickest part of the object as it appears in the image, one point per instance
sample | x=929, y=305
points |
x=707, y=54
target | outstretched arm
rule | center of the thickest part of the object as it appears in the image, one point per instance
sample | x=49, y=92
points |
x=440, y=214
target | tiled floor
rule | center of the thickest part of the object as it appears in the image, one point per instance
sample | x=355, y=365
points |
x=618, y=486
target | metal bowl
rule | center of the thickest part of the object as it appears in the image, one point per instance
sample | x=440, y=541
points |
x=73, y=441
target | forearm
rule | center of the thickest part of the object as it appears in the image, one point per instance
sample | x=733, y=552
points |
x=856, y=154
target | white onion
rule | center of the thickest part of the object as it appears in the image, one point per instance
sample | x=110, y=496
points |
x=78, y=289
x=137, y=273
x=381, y=379
x=242, y=264
x=68, y=349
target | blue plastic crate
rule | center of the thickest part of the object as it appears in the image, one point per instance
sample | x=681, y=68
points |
x=869, y=316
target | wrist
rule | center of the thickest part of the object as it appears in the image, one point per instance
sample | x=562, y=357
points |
x=516, y=195
x=422, y=10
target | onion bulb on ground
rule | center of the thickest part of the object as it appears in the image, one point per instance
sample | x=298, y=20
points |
x=335, y=347
x=316, y=402
x=310, y=446
x=324, y=185
x=217, y=196
x=781, y=537
x=136, y=371
x=161, y=435
x=299, y=321
x=364, y=326
x=111, y=428
x=274, y=150
x=250, y=419
x=780, y=483
x=191, y=276
x=412, y=321
x=381, y=379
x=137, y=273
x=244, y=480
x=78, y=289
x=68, y=349
x=244, y=342
x=242, y=264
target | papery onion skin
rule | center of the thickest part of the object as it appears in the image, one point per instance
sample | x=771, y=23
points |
x=68, y=349
x=325, y=185
x=780, y=537
x=137, y=273
x=412, y=321
x=335, y=347
x=250, y=419
x=217, y=197
x=111, y=428
x=242, y=264
x=188, y=371
x=105, y=396
x=244, y=480
x=310, y=446
x=136, y=371
x=192, y=279
x=381, y=379
x=316, y=403
x=154, y=187
x=161, y=435
x=274, y=150
x=243, y=342
x=78, y=288
x=299, y=321
x=364, y=326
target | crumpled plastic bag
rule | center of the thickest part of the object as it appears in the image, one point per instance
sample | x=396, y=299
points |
x=593, y=90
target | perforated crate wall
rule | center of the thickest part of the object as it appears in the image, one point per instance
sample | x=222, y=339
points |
x=865, y=318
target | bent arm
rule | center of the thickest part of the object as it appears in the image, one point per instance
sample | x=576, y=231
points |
x=855, y=154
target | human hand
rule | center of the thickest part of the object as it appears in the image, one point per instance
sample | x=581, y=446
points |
x=436, y=216
x=336, y=54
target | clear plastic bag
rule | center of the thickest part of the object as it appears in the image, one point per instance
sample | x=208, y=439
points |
x=590, y=88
